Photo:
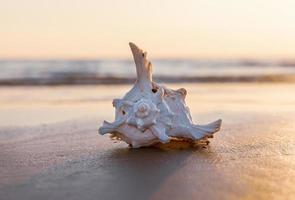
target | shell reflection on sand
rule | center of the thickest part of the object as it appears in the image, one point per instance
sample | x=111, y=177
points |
x=175, y=143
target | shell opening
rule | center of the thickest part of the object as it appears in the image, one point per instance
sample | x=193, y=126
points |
x=154, y=90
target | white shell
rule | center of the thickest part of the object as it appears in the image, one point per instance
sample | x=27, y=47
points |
x=150, y=113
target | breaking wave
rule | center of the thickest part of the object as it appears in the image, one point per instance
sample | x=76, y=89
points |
x=76, y=72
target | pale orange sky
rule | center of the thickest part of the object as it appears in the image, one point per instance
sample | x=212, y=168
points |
x=174, y=28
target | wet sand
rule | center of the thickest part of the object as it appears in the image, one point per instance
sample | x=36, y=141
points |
x=50, y=149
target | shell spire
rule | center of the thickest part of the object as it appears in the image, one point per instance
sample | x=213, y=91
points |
x=143, y=65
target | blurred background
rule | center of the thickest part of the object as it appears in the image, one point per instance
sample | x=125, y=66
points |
x=86, y=42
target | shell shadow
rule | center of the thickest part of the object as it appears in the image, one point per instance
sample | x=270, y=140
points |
x=139, y=173
x=123, y=173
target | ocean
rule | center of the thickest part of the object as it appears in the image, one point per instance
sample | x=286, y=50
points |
x=67, y=72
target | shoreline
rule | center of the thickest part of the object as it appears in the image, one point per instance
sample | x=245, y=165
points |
x=94, y=80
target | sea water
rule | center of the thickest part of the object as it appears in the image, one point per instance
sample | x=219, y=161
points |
x=119, y=71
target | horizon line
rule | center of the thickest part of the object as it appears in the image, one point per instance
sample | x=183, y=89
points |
x=154, y=58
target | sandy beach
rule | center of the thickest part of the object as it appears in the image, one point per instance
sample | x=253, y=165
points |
x=50, y=148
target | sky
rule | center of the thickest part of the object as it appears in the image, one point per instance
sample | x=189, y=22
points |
x=91, y=29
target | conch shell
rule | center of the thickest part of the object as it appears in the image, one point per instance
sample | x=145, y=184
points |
x=150, y=113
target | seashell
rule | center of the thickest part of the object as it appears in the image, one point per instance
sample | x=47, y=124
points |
x=150, y=113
